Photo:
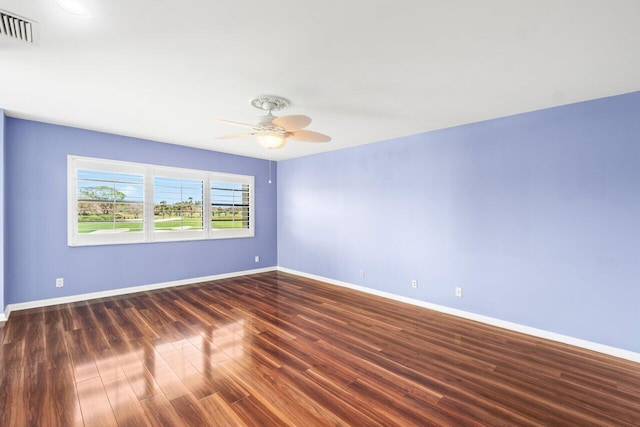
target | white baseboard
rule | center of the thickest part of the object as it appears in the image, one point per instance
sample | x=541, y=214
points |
x=123, y=291
x=600, y=348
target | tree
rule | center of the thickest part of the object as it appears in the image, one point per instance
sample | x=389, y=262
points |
x=105, y=195
x=133, y=209
x=162, y=207
x=86, y=209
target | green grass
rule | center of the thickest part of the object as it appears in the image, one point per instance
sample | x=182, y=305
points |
x=88, y=227
x=226, y=224
x=195, y=223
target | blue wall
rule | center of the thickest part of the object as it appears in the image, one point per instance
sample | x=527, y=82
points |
x=2, y=238
x=36, y=217
x=536, y=216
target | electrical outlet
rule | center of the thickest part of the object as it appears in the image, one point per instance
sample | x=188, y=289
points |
x=59, y=282
x=362, y=274
x=459, y=292
x=257, y=258
x=414, y=284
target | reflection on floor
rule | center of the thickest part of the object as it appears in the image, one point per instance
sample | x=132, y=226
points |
x=138, y=368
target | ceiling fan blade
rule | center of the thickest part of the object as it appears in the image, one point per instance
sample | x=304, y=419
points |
x=292, y=123
x=309, y=136
x=244, y=125
x=235, y=135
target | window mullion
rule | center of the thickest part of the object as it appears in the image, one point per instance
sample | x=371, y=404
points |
x=149, y=205
x=72, y=204
x=206, y=205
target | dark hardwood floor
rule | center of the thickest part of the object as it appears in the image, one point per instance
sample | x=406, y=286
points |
x=276, y=349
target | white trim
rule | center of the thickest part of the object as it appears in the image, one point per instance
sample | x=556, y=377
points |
x=122, y=291
x=539, y=333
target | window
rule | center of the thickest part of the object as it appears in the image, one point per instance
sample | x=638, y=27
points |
x=113, y=202
x=109, y=202
x=177, y=207
x=229, y=205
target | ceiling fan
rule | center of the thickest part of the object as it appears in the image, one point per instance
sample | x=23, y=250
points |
x=272, y=132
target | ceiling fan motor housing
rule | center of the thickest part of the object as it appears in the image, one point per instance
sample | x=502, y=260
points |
x=265, y=121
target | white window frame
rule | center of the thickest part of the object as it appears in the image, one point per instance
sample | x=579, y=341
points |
x=149, y=171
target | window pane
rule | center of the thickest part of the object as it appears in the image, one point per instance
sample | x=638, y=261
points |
x=229, y=205
x=178, y=204
x=109, y=202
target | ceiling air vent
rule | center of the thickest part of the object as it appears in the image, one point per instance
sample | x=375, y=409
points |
x=17, y=27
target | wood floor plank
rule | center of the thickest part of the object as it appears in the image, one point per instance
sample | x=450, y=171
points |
x=231, y=390
x=339, y=400
x=13, y=411
x=64, y=404
x=220, y=412
x=278, y=396
x=108, y=365
x=191, y=412
x=171, y=386
x=135, y=359
x=83, y=360
x=277, y=349
x=197, y=384
x=94, y=403
x=160, y=412
x=255, y=413
x=124, y=403
x=37, y=388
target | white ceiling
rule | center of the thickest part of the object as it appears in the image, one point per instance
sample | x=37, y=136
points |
x=365, y=71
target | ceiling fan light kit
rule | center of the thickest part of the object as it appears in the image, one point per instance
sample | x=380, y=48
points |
x=271, y=140
x=272, y=132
